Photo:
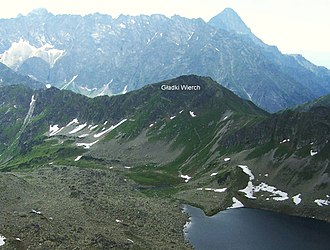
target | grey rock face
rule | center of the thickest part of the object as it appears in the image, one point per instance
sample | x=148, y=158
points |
x=99, y=55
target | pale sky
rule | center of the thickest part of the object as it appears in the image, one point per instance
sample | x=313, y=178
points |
x=294, y=26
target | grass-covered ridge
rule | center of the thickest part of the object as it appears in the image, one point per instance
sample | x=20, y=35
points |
x=184, y=146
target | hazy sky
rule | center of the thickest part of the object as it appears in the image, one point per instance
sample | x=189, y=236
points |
x=294, y=26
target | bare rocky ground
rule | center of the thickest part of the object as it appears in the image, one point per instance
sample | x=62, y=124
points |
x=63, y=207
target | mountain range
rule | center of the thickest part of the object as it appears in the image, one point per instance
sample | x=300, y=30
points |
x=99, y=55
x=106, y=129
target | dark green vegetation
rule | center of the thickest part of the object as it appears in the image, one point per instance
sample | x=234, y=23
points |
x=146, y=144
x=323, y=101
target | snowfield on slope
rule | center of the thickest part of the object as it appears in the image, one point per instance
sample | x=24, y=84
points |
x=192, y=114
x=185, y=177
x=322, y=202
x=86, y=145
x=251, y=189
x=2, y=240
x=236, y=203
x=296, y=199
x=109, y=129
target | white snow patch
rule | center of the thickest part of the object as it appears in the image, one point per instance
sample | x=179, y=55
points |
x=86, y=145
x=213, y=174
x=36, y=212
x=322, y=203
x=109, y=129
x=22, y=50
x=153, y=37
x=71, y=81
x=313, y=152
x=53, y=129
x=105, y=89
x=78, y=158
x=250, y=97
x=28, y=116
x=284, y=196
x=249, y=190
x=296, y=199
x=125, y=90
x=78, y=128
x=236, y=203
x=2, y=240
x=83, y=136
x=192, y=114
x=121, y=25
x=220, y=190
x=284, y=141
x=72, y=122
x=226, y=159
x=54, y=133
x=172, y=117
x=93, y=127
x=247, y=171
x=86, y=88
x=190, y=35
x=280, y=195
x=186, y=177
x=32, y=100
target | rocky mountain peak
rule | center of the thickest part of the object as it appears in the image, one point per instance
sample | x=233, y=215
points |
x=229, y=20
x=42, y=12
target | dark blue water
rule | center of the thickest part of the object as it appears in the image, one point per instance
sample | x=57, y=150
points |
x=253, y=229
